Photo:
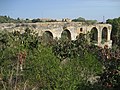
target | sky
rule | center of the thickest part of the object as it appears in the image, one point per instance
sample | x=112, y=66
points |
x=57, y=9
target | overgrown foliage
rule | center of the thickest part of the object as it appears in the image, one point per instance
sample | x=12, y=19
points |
x=7, y=19
x=70, y=49
x=115, y=30
x=110, y=60
x=80, y=19
x=27, y=64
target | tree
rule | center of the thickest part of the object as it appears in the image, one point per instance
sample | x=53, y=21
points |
x=115, y=30
x=79, y=19
x=91, y=21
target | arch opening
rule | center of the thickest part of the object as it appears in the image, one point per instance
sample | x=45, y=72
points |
x=66, y=35
x=94, y=35
x=104, y=34
x=81, y=29
x=47, y=37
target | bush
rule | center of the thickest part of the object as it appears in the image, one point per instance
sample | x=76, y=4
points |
x=25, y=63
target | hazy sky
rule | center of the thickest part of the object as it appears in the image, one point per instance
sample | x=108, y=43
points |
x=89, y=9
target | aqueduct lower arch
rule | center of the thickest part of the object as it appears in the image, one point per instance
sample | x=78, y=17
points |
x=47, y=36
x=94, y=35
x=66, y=34
x=104, y=34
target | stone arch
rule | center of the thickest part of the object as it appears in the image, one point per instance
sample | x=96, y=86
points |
x=104, y=34
x=66, y=34
x=94, y=35
x=47, y=37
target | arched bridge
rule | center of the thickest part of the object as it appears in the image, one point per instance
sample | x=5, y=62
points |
x=99, y=33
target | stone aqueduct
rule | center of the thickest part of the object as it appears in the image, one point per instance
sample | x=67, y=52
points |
x=101, y=33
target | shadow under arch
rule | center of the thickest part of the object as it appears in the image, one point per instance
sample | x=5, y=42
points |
x=104, y=34
x=47, y=37
x=94, y=35
x=66, y=34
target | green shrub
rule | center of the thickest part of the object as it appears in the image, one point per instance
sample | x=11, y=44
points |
x=42, y=69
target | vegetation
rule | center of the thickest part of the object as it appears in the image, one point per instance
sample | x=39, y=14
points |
x=115, y=30
x=28, y=63
x=80, y=19
x=7, y=19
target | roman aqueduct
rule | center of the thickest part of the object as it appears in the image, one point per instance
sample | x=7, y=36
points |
x=100, y=33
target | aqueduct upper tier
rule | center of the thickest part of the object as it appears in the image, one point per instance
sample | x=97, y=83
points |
x=99, y=33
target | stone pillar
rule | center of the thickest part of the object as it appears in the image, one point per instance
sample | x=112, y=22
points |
x=108, y=35
x=73, y=36
x=99, y=36
x=56, y=35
